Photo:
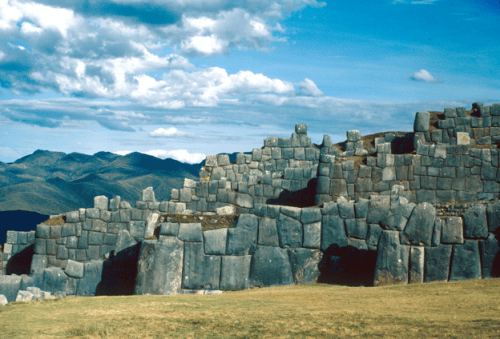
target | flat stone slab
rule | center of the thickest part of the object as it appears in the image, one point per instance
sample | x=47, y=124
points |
x=392, y=260
x=437, y=263
x=159, y=267
x=190, y=232
x=235, y=272
x=270, y=266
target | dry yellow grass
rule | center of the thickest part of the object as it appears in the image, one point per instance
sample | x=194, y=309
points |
x=468, y=309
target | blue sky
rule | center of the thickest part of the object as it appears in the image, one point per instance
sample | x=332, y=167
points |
x=187, y=78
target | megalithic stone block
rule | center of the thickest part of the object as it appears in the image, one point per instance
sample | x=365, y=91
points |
x=151, y=222
x=490, y=257
x=465, y=262
x=392, y=260
x=235, y=272
x=91, y=283
x=55, y=280
x=74, y=269
x=333, y=232
x=304, y=263
x=200, y=271
x=493, y=211
x=420, y=226
x=417, y=265
x=421, y=123
x=270, y=266
x=38, y=262
x=101, y=202
x=378, y=208
x=475, y=223
x=148, y=195
x=215, y=241
x=268, y=232
x=10, y=286
x=437, y=263
x=290, y=232
x=159, y=267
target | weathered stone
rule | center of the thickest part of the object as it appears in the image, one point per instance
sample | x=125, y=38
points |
x=148, y=194
x=101, y=202
x=436, y=236
x=392, y=260
x=215, y=241
x=475, y=223
x=378, y=208
x=244, y=200
x=490, y=257
x=25, y=296
x=420, y=226
x=304, y=264
x=159, y=267
x=55, y=280
x=346, y=210
x=465, y=263
x=124, y=240
x=452, y=231
x=42, y=231
x=437, y=263
x=310, y=215
x=270, y=266
x=235, y=273
x=312, y=235
x=190, y=232
x=38, y=262
x=226, y=210
x=290, y=232
x=10, y=286
x=356, y=228
x=373, y=234
x=74, y=269
x=151, y=222
x=3, y=300
x=268, y=232
x=361, y=208
x=421, y=123
x=91, y=283
x=416, y=265
x=200, y=271
x=333, y=232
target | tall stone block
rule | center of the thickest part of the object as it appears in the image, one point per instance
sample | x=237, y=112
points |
x=9, y=286
x=270, y=266
x=200, y=271
x=475, y=223
x=466, y=263
x=392, y=260
x=437, y=263
x=91, y=283
x=416, y=265
x=268, y=232
x=235, y=273
x=159, y=267
x=101, y=202
x=333, y=232
x=290, y=232
x=421, y=123
x=215, y=241
x=378, y=208
x=304, y=263
x=490, y=257
x=420, y=226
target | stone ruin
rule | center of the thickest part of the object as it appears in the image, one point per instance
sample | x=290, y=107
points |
x=401, y=208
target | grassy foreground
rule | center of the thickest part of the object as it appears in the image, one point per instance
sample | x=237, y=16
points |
x=468, y=309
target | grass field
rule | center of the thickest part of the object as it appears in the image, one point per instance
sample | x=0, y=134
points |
x=468, y=309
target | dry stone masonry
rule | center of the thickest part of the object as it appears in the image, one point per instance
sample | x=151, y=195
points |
x=429, y=212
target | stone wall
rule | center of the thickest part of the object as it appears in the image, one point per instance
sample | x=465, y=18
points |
x=17, y=242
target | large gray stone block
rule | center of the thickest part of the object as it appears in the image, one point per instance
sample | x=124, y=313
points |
x=89, y=285
x=201, y=272
x=465, y=262
x=392, y=260
x=159, y=267
x=148, y=195
x=333, y=232
x=10, y=286
x=270, y=266
x=378, y=208
x=290, y=232
x=190, y=232
x=169, y=229
x=490, y=257
x=310, y=215
x=346, y=210
x=437, y=263
x=25, y=296
x=312, y=235
x=304, y=264
x=452, y=231
x=373, y=234
x=235, y=273
x=137, y=229
x=241, y=241
x=356, y=228
x=38, y=262
x=42, y=231
x=151, y=223
x=419, y=229
x=475, y=223
x=55, y=280
x=215, y=241
x=421, y=123
x=268, y=232
x=101, y=202
x=74, y=269
x=416, y=265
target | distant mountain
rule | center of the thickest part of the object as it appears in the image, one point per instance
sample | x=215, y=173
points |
x=55, y=182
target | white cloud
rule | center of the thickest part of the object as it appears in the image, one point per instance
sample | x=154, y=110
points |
x=181, y=155
x=424, y=75
x=167, y=133
x=309, y=88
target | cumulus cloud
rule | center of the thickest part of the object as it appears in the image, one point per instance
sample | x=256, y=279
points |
x=425, y=76
x=181, y=155
x=309, y=88
x=171, y=132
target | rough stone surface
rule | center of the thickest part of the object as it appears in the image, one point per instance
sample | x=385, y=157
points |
x=74, y=269
x=190, y=232
x=215, y=241
x=159, y=267
x=151, y=222
x=378, y=208
x=270, y=266
x=452, y=231
x=437, y=263
x=416, y=265
x=200, y=271
x=290, y=232
x=312, y=235
x=235, y=272
x=268, y=232
x=490, y=257
x=9, y=286
x=493, y=211
x=91, y=284
x=421, y=123
x=333, y=232
x=392, y=260
x=420, y=226
x=475, y=223
x=304, y=263
x=25, y=296
x=465, y=262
